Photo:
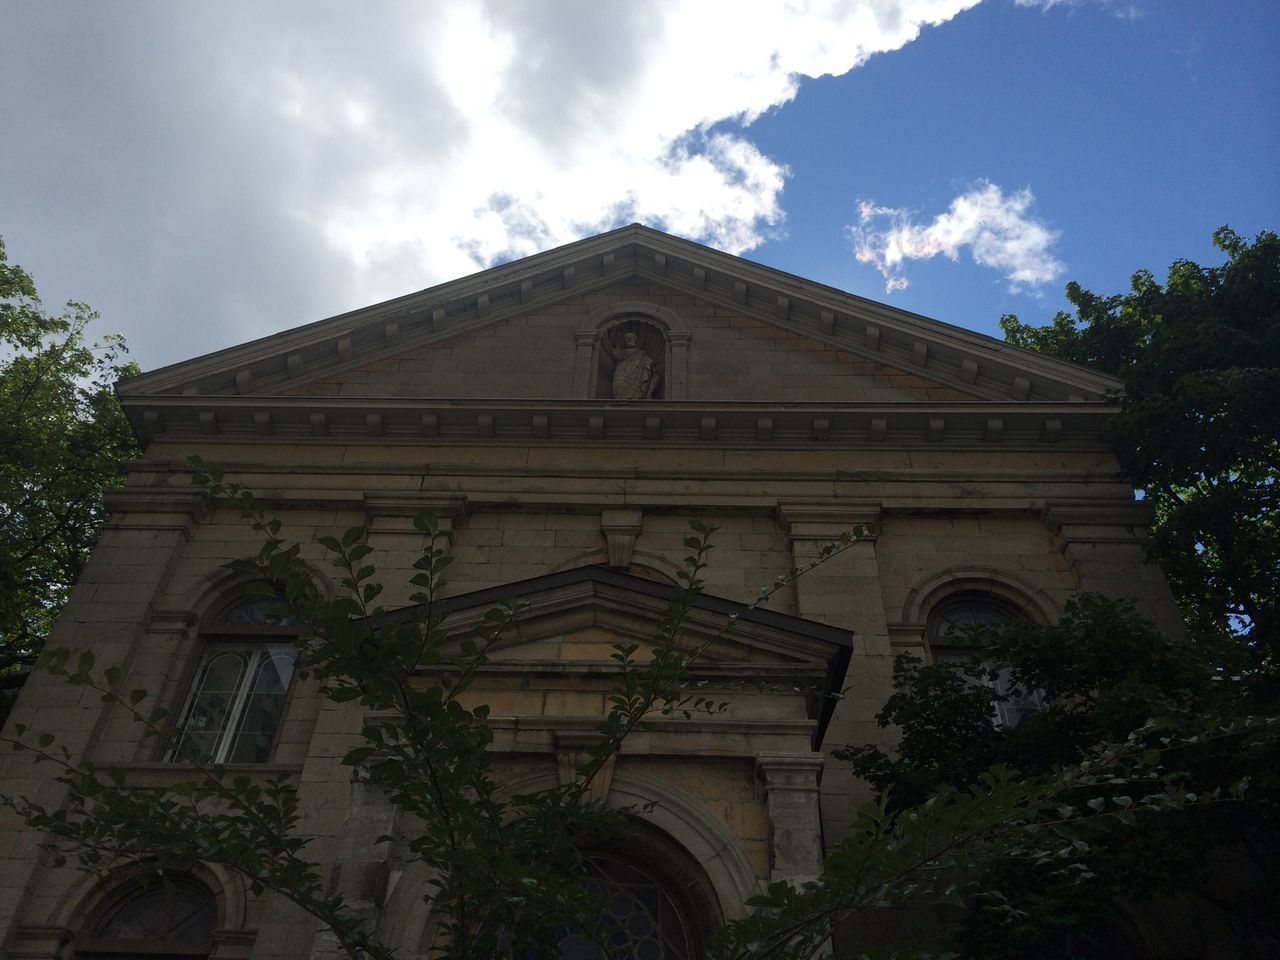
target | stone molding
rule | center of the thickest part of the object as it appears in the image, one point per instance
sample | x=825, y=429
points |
x=926, y=593
x=667, y=423
x=166, y=621
x=37, y=942
x=1104, y=522
x=703, y=835
x=829, y=521
x=395, y=514
x=156, y=508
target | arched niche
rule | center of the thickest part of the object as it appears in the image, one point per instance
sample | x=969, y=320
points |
x=1032, y=601
x=641, y=345
x=908, y=632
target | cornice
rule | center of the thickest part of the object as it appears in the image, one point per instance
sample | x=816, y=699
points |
x=918, y=424
x=980, y=365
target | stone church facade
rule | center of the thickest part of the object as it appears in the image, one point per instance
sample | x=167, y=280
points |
x=566, y=416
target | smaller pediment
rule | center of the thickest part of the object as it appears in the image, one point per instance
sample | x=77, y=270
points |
x=569, y=622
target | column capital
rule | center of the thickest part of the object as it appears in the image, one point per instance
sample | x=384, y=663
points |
x=784, y=771
x=156, y=508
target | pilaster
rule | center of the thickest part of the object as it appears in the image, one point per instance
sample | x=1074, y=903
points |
x=109, y=613
x=795, y=838
x=1104, y=545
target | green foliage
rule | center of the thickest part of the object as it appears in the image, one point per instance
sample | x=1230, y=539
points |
x=507, y=872
x=974, y=848
x=1199, y=429
x=1104, y=672
x=63, y=437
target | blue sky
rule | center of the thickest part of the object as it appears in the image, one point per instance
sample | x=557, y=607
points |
x=1137, y=137
x=208, y=174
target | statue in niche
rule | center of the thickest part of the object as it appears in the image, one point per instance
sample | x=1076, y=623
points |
x=635, y=371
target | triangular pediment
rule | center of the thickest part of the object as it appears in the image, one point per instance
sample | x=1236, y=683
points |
x=568, y=623
x=575, y=616
x=535, y=355
x=974, y=364
x=524, y=333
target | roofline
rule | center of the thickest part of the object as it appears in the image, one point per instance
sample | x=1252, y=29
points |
x=487, y=296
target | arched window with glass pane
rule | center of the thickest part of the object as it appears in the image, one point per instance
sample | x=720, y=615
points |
x=238, y=695
x=641, y=917
x=164, y=917
x=949, y=642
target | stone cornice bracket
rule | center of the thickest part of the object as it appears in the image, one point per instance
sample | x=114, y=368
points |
x=573, y=750
x=620, y=529
x=156, y=508
x=394, y=514
x=1098, y=521
x=828, y=521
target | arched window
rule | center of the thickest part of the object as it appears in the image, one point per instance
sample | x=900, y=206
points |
x=949, y=642
x=238, y=695
x=640, y=916
x=166, y=917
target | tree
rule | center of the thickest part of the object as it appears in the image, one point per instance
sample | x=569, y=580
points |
x=63, y=438
x=1199, y=428
x=1104, y=673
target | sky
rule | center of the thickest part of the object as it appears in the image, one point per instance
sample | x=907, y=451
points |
x=208, y=173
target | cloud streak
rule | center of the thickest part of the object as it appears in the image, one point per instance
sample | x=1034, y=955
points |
x=1120, y=9
x=997, y=229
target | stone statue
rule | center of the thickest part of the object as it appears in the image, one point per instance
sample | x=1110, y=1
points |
x=635, y=373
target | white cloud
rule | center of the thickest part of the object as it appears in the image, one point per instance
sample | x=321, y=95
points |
x=544, y=122
x=254, y=165
x=997, y=229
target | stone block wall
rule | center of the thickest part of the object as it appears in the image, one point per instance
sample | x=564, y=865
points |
x=1035, y=527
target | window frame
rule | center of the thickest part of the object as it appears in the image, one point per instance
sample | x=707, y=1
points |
x=260, y=640
x=602, y=866
x=1006, y=714
x=91, y=945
